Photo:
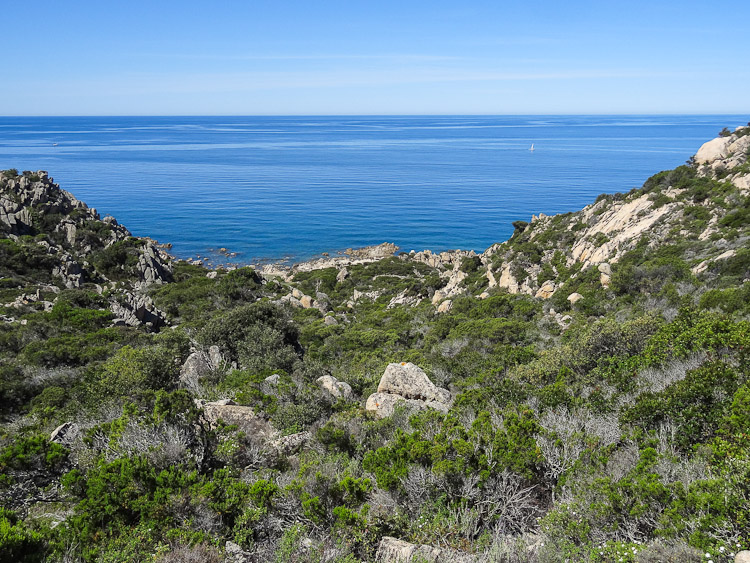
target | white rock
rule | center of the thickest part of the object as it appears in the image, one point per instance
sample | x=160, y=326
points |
x=235, y=554
x=288, y=445
x=574, y=298
x=196, y=366
x=547, y=290
x=714, y=149
x=335, y=388
x=293, y=301
x=244, y=417
x=392, y=550
x=411, y=382
x=272, y=379
x=384, y=404
x=215, y=357
x=65, y=433
x=445, y=306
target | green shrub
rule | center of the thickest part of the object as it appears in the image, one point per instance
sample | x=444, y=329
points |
x=32, y=453
x=470, y=264
x=118, y=260
x=67, y=316
x=696, y=404
x=240, y=285
x=29, y=262
x=74, y=349
x=17, y=542
x=15, y=387
x=132, y=371
x=253, y=330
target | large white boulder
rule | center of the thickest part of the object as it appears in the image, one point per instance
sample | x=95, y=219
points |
x=715, y=149
x=411, y=382
x=227, y=411
x=547, y=290
x=407, y=384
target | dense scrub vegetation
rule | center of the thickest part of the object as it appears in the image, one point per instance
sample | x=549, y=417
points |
x=622, y=434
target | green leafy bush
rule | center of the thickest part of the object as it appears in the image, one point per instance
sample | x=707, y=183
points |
x=17, y=542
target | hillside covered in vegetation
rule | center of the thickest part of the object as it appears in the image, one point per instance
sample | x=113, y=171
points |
x=580, y=392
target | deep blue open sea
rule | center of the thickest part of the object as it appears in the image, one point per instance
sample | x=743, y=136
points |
x=292, y=187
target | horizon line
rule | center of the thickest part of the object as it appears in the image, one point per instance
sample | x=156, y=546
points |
x=515, y=114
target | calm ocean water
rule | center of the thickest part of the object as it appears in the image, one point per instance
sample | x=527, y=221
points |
x=292, y=187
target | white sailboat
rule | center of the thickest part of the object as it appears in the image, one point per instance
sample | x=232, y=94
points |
x=532, y=147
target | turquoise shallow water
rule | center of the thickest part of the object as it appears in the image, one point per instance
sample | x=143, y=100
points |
x=292, y=187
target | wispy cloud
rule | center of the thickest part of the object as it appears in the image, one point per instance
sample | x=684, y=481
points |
x=384, y=57
x=270, y=80
x=175, y=82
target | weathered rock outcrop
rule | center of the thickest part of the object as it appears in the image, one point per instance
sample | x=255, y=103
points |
x=334, y=388
x=152, y=266
x=290, y=445
x=256, y=427
x=76, y=239
x=233, y=553
x=200, y=364
x=603, y=232
x=377, y=252
x=726, y=156
x=547, y=290
x=392, y=550
x=408, y=384
x=65, y=434
x=133, y=309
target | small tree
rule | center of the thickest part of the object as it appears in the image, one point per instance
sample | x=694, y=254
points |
x=519, y=227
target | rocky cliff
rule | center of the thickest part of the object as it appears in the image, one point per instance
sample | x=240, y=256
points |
x=49, y=234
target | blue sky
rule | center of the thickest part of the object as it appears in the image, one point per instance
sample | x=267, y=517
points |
x=349, y=57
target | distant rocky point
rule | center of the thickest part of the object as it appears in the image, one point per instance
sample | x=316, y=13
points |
x=80, y=247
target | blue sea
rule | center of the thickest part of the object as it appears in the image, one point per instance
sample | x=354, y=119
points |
x=289, y=188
